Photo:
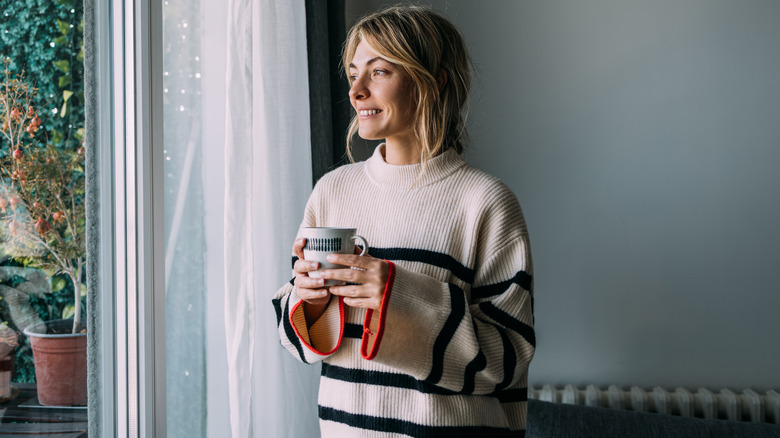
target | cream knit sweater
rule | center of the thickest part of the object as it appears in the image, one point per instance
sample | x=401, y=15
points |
x=448, y=353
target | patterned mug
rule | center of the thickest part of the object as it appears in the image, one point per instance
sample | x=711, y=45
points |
x=321, y=241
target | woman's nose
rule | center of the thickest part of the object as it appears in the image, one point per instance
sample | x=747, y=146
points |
x=358, y=89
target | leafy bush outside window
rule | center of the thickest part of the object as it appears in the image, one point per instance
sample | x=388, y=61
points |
x=44, y=40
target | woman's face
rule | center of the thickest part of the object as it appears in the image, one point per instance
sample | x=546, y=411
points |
x=381, y=93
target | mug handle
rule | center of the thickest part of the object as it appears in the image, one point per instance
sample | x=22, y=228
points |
x=364, y=243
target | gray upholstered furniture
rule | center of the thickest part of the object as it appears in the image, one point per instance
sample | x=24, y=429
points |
x=556, y=420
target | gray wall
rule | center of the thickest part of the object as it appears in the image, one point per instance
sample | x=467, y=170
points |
x=641, y=139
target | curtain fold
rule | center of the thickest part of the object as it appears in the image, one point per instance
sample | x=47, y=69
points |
x=326, y=32
x=268, y=180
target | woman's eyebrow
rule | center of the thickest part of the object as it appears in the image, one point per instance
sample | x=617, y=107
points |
x=369, y=62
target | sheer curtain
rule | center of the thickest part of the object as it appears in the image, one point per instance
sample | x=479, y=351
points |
x=267, y=182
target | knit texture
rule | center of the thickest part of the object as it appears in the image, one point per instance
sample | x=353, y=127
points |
x=448, y=352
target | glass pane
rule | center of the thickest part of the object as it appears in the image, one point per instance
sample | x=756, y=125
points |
x=195, y=355
x=42, y=219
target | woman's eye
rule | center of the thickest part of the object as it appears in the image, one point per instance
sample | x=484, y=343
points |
x=379, y=72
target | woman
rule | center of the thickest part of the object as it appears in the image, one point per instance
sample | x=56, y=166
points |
x=432, y=332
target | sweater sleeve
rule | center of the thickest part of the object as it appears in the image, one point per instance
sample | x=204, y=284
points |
x=313, y=343
x=476, y=341
x=309, y=344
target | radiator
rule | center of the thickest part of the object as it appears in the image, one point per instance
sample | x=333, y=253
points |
x=747, y=405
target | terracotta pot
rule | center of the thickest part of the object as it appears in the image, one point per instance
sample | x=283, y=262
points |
x=60, y=363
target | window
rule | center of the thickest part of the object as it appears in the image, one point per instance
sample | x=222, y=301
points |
x=43, y=251
x=168, y=377
x=160, y=337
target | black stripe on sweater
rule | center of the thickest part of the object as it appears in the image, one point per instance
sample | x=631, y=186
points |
x=476, y=365
x=515, y=395
x=290, y=331
x=404, y=381
x=278, y=309
x=509, y=322
x=522, y=279
x=510, y=362
x=379, y=378
x=438, y=259
x=392, y=425
x=353, y=331
x=457, y=312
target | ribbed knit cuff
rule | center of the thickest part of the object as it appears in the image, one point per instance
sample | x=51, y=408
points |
x=369, y=344
x=324, y=336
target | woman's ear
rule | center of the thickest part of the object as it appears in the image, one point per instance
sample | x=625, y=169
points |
x=442, y=79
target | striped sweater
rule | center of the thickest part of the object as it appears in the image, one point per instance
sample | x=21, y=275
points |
x=448, y=352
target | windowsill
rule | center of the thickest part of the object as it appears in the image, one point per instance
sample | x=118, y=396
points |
x=18, y=417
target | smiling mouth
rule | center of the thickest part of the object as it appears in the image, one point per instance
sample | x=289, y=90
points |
x=369, y=112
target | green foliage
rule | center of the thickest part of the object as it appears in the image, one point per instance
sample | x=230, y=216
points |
x=53, y=305
x=24, y=368
x=14, y=281
x=45, y=39
x=41, y=187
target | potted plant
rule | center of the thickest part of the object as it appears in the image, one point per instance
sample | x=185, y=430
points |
x=42, y=214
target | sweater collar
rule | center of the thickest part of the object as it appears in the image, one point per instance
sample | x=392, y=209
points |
x=405, y=176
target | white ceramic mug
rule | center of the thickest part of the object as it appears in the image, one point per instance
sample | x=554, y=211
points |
x=321, y=241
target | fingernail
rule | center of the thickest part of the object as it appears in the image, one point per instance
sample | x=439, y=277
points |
x=331, y=257
x=314, y=265
x=321, y=282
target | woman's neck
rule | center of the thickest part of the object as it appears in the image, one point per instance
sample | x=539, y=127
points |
x=402, y=152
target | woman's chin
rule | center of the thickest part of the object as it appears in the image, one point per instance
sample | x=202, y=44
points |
x=369, y=136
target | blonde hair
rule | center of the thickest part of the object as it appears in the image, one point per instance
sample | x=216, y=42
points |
x=430, y=49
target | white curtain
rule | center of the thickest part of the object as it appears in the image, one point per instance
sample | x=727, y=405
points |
x=267, y=182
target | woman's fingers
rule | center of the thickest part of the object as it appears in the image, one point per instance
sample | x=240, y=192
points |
x=306, y=282
x=320, y=300
x=302, y=266
x=311, y=290
x=366, y=303
x=352, y=260
x=367, y=275
x=350, y=290
x=298, y=247
x=364, y=269
x=344, y=274
x=369, y=295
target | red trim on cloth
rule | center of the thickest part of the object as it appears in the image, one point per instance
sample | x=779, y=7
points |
x=310, y=347
x=364, y=350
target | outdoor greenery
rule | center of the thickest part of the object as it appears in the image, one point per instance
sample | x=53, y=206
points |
x=45, y=39
x=41, y=44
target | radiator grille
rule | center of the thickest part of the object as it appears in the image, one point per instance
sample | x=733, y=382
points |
x=726, y=404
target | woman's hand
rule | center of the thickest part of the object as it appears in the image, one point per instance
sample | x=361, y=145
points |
x=371, y=274
x=311, y=290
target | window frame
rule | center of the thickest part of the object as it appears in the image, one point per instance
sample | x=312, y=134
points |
x=104, y=79
x=134, y=402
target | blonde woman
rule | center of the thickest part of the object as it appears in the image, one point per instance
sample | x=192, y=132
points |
x=431, y=333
